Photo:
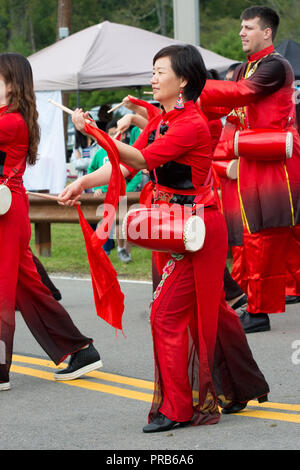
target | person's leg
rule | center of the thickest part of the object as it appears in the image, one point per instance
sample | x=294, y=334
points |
x=184, y=321
x=45, y=278
x=265, y=264
x=293, y=267
x=238, y=272
x=46, y=318
x=237, y=377
x=9, y=254
x=234, y=295
x=170, y=316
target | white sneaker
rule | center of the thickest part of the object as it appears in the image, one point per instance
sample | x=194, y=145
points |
x=4, y=386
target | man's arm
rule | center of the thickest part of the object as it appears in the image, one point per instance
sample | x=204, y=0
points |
x=269, y=77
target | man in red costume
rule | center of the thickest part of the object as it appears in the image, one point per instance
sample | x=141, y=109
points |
x=261, y=97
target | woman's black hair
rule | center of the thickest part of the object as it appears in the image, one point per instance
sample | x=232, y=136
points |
x=187, y=63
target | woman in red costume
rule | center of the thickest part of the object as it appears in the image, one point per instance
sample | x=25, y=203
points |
x=202, y=358
x=20, y=282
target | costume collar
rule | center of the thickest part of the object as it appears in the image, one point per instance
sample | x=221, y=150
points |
x=3, y=108
x=175, y=112
x=260, y=54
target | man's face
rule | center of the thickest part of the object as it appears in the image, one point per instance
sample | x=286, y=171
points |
x=254, y=37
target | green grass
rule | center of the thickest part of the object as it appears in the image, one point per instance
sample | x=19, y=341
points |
x=68, y=255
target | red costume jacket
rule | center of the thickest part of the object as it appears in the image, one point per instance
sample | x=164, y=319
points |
x=13, y=143
x=261, y=98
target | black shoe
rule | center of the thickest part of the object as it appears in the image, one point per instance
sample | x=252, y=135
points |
x=255, y=322
x=235, y=408
x=240, y=303
x=80, y=363
x=162, y=423
x=292, y=299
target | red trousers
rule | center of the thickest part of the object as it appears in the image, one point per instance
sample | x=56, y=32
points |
x=266, y=265
x=293, y=263
x=198, y=340
x=20, y=284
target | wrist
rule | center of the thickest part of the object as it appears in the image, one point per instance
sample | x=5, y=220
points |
x=82, y=183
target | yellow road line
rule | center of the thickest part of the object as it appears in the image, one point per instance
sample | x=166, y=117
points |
x=97, y=375
x=136, y=395
x=275, y=406
x=84, y=384
x=273, y=415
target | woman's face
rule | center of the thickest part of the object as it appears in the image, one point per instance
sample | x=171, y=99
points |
x=5, y=90
x=165, y=84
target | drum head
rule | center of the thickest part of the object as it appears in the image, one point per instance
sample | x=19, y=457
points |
x=5, y=199
x=232, y=169
x=194, y=233
x=289, y=145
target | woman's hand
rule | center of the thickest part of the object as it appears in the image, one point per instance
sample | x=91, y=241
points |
x=134, y=107
x=128, y=104
x=79, y=118
x=71, y=194
x=124, y=123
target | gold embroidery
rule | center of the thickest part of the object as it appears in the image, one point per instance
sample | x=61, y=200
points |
x=243, y=212
x=161, y=196
x=290, y=194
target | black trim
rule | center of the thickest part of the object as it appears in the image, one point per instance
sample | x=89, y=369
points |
x=2, y=161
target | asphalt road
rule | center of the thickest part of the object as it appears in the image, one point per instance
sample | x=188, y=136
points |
x=107, y=410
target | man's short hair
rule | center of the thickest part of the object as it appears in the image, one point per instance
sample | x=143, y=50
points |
x=268, y=17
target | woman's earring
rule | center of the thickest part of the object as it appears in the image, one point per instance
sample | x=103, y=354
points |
x=179, y=103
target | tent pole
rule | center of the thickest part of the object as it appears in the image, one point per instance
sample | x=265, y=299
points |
x=78, y=98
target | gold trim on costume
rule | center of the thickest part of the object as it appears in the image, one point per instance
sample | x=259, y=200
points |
x=290, y=194
x=244, y=218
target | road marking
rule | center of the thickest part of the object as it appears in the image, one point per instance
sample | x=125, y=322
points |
x=139, y=383
x=260, y=412
x=81, y=383
x=125, y=281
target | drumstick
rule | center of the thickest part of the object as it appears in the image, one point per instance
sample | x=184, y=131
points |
x=44, y=195
x=117, y=135
x=64, y=108
x=148, y=92
x=58, y=105
x=47, y=196
x=115, y=107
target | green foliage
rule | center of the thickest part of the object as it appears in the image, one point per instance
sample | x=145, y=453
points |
x=88, y=100
x=220, y=23
x=69, y=255
x=27, y=26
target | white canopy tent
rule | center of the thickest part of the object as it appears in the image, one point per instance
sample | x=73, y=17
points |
x=106, y=55
x=103, y=56
x=50, y=172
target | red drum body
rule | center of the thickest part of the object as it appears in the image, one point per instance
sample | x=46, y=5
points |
x=226, y=169
x=166, y=230
x=263, y=144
